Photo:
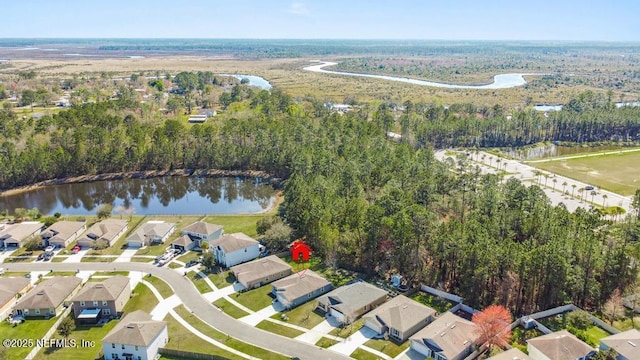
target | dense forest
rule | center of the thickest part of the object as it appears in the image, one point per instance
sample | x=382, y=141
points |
x=367, y=203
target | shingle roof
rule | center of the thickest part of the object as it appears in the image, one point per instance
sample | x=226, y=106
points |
x=151, y=229
x=107, y=229
x=137, y=328
x=401, y=313
x=183, y=240
x=349, y=298
x=233, y=242
x=10, y=286
x=63, y=230
x=201, y=227
x=108, y=289
x=299, y=284
x=49, y=293
x=259, y=268
x=511, y=354
x=560, y=345
x=20, y=231
x=626, y=343
x=448, y=334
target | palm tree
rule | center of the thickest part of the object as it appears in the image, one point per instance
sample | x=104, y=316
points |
x=593, y=194
x=546, y=177
x=573, y=190
x=564, y=187
x=581, y=191
x=554, y=183
x=604, y=199
x=498, y=161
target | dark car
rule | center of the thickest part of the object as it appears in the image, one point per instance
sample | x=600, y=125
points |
x=588, y=188
x=190, y=263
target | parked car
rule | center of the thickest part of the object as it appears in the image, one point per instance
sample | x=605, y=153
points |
x=589, y=188
x=41, y=256
x=190, y=263
x=76, y=249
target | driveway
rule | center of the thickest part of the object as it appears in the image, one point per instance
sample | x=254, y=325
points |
x=76, y=258
x=354, y=341
x=126, y=255
x=200, y=307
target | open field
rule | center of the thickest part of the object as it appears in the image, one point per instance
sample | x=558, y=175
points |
x=614, y=172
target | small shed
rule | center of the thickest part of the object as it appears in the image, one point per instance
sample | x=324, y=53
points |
x=300, y=250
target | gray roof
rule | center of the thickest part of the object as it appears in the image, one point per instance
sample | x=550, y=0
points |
x=20, y=231
x=108, y=289
x=63, y=230
x=107, y=229
x=349, y=298
x=259, y=268
x=151, y=229
x=401, y=313
x=511, y=354
x=137, y=328
x=10, y=286
x=299, y=284
x=560, y=345
x=201, y=227
x=49, y=293
x=233, y=242
x=626, y=343
x=449, y=334
x=183, y=240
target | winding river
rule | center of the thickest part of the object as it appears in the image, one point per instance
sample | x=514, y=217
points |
x=501, y=81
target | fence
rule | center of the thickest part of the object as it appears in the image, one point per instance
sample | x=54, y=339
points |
x=463, y=307
x=189, y=354
x=440, y=293
x=566, y=308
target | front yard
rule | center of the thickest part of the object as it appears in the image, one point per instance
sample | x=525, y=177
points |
x=256, y=299
x=278, y=329
x=163, y=288
x=302, y=315
x=142, y=299
x=88, y=334
x=199, y=282
x=348, y=330
x=230, y=309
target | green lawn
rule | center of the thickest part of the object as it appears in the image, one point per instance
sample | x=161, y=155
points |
x=163, y=288
x=56, y=259
x=174, y=265
x=278, y=329
x=337, y=277
x=302, y=315
x=229, y=341
x=348, y=330
x=190, y=255
x=222, y=279
x=15, y=273
x=230, y=309
x=388, y=347
x=435, y=302
x=361, y=354
x=30, y=329
x=596, y=333
x=617, y=173
x=141, y=259
x=118, y=247
x=111, y=273
x=256, y=299
x=89, y=334
x=87, y=258
x=61, y=273
x=199, y=282
x=181, y=339
x=142, y=299
x=325, y=342
x=237, y=223
x=154, y=250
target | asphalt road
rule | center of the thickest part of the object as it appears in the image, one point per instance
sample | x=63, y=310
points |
x=193, y=300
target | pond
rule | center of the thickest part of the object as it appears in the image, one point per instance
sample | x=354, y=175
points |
x=254, y=80
x=551, y=150
x=157, y=196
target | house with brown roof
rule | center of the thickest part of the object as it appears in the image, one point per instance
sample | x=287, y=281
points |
x=258, y=272
x=184, y=243
x=14, y=235
x=10, y=289
x=299, y=288
x=449, y=337
x=152, y=232
x=349, y=302
x=511, y=354
x=108, y=230
x=626, y=344
x=48, y=297
x=136, y=336
x=101, y=299
x=559, y=345
x=399, y=318
x=234, y=249
x=62, y=233
x=201, y=231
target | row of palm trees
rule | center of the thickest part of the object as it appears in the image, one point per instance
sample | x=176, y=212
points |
x=581, y=191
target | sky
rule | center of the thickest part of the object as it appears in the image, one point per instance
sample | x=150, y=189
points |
x=590, y=20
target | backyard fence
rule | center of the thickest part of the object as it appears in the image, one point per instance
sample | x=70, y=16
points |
x=440, y=293
x=188, y=354
x=463, y=307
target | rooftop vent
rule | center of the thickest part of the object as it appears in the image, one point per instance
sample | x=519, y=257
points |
x=632, y=343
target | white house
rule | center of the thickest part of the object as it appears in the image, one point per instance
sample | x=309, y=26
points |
x=136, y=337
x=234, y=249
x=152, y=232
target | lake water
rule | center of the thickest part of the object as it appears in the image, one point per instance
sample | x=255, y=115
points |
x=502, y=81
x=541, y=152
x=161, y=195
x=253, y=80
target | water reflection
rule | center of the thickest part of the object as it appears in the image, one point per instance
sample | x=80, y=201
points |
x=161, y=195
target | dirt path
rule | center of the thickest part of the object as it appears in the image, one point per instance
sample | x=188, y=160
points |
x=582, y=156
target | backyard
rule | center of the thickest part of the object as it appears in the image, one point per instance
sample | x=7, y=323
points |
x=30, y=329
x=91, y=335
x=435, y=302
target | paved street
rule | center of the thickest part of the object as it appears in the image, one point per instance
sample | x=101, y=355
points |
x=199, y=306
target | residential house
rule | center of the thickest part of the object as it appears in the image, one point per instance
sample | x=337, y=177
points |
x=109, y=230
x=559, y=345
x=184, y=243
x=152, y=232
x=299, y=288
x=449, y=337
x=511, y=354
x=300, y=251
x=626, y=344
x=234, y=249
x=10, y=289
x=201, y=231
x=261, y=271
x=14, y=235
x=399, y=318
x=348, y=303
x=197, y=119
x=62, y=233
x=135, y=337
x=101, y=299
x=48, y=297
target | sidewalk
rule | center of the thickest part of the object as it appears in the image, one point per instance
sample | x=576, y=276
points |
x=126, y=255
x=350, y=344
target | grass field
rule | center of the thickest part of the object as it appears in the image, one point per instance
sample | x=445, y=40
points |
x=325, y=342
x=278, y=329
x=142, y=299
x=388, y=347
x=361, y=354
x=163, y=288
x=255, y=299
x=302, y=315
x=30, y=329
x=616, y=173
x=348, y=330
x=230, y=309
x=199, y=282
x=221, y=279
x=89, y=334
